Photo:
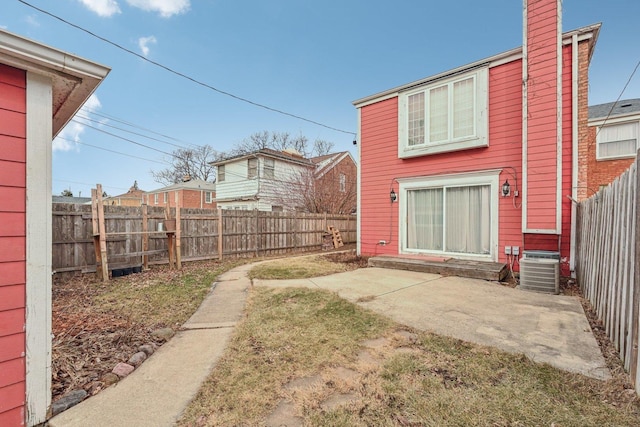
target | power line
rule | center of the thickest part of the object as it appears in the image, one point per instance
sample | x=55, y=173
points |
x=125, y=130
x=113, y=151
x=127, y=139
x=619, y=96
x=185, y=76
x=124, y=122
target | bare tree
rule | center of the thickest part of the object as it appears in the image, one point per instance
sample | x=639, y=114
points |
x=192, y=162
x=67, y=192
x=280, y=141
x=322, y=147
x=306, y=192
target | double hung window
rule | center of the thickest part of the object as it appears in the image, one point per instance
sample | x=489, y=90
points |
x=617, y=140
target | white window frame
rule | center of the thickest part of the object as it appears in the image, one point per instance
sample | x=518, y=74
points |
x=613, y=123
x=208, y=197
x=155, y=198
x=221, y=173
x=343, y=183
x=488, y=177
x=269, y=168
x=480, y=136
x=165, y=197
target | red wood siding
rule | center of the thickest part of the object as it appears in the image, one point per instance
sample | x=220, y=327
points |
x=542, y=24
x=380, y=163
x=12, y=244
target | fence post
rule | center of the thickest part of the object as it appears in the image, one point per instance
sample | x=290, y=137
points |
x=145, y=236
x=220, y=233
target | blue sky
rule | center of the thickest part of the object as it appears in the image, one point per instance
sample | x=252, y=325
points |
x=308, y=58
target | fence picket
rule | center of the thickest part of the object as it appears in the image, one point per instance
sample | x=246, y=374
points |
x=606, y=268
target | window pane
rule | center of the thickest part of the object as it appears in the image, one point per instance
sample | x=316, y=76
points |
x=416, y=119
x=269, y=166
x=220, y=173
x=468, y=219
x=252, y=168
x=463, y=108
x=618, y=140
x=439, y=114
x=424, y=219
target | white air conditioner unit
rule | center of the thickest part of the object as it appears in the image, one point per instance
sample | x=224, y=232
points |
x=540, y=275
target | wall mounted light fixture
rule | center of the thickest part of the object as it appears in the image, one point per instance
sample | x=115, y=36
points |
x=506, y=188
x=393, y=196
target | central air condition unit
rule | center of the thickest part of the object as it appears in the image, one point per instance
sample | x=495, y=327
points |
x=540, y=275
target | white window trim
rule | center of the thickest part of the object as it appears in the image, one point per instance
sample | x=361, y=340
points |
x=272, y=167
x=343, y=183
x=221, y=176
x=479, y=139
x=488, y=177
x=155, y=199
x=208, y=197
x=165, y=197
x=626, y=156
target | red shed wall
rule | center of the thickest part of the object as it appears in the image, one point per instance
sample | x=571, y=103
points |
x=380, y=164
x=12, y=244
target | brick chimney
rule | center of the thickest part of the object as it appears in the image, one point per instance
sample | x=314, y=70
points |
x=542, y=116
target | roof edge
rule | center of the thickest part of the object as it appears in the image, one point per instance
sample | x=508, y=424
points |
x=500, y=57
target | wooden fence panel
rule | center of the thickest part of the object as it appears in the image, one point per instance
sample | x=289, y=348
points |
x=606, y=263
x=244, y=234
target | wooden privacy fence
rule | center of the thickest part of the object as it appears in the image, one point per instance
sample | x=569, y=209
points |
x=607, y=265
x=203, y=231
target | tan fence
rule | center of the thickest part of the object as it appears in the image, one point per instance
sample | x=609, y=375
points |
x=240, y=233
x=607, y=266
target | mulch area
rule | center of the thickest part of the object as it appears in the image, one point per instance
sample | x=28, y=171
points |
x=87, y=343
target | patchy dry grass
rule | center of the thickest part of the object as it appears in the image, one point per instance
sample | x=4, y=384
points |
x=309, y=266
x=429, y=380
x=288, y=333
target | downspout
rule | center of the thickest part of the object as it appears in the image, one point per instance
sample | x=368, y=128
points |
x=574, y=152
x=525, y=112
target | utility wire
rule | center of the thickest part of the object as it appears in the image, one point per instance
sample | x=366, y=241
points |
x=124, y=130
x=133, y=125
x=185, y=76
x=113, y=151
x=619, y=96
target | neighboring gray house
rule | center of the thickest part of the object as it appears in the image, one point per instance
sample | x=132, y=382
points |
x=260, y=180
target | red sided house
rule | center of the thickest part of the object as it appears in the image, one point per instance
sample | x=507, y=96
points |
x=477, y=160
x=41, y=88
x=611, y=145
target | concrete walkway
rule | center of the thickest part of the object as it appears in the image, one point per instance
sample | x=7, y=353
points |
x=157, y=393
x=546, y=328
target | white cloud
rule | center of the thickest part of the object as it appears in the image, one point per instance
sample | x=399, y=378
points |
x=68, y=139
x=144, y=42
x=166, y=8
x=31, y=20
x=103, y=8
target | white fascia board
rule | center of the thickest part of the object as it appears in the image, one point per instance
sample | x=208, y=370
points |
x=622, y=118
x=73, y=78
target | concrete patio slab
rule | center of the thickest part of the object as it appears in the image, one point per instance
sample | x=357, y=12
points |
x=546, y=328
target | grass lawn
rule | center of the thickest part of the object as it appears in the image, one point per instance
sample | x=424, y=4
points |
x=330, y=362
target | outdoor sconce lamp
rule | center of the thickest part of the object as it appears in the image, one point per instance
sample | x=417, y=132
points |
x=506, y=188
x=393, y=196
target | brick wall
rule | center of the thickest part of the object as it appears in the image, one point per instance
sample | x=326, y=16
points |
x=591, y=173
x=344, y=201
